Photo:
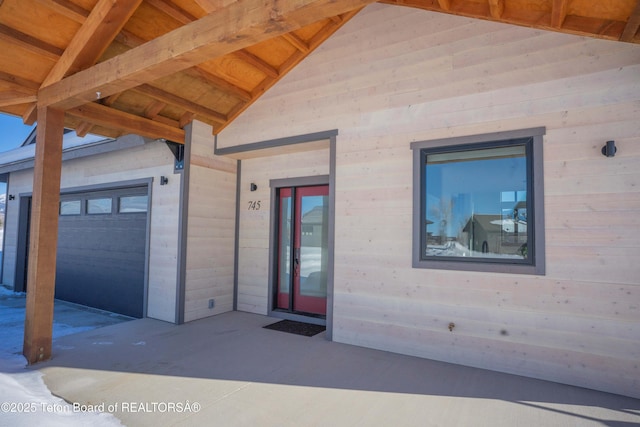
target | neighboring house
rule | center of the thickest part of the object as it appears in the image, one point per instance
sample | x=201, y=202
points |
x=399, y=109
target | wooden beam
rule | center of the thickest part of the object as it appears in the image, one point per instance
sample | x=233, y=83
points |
x=296, y=42
x=241, y=24
x=633, y=24
x=258, y=63
x=173, y=11
x=29, y=43
x=83, y=129
x=218, y=82
x=154, y=109
x=66, y=8
x=12, y=97
x=101, y=115
x=41, y=274
x=209, y=6
x=445, y=4
x=31, y=115
x=186, y=119
x=94, y=36
x=324, y=33
x=558, y=13
x=185, y=104
x=18, y=83
x=497, y=8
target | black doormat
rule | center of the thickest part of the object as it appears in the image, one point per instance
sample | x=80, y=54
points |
x=298, y=328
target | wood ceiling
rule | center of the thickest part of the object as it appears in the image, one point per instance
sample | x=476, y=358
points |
x=151, y=66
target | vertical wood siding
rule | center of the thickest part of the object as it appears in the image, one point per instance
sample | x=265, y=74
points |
x=211, y=228
x=395, y=75
x=149, y=161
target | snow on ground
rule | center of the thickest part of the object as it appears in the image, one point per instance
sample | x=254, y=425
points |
x=24, y=398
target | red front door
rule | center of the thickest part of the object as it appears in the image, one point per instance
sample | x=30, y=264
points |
x=302, y=249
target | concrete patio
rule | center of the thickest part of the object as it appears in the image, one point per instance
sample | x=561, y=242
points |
x=229, y=371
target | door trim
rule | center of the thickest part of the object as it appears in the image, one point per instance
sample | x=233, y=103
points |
x=275, y=184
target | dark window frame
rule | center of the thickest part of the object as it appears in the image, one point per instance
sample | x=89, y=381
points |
x=535, y=212
x=79, y=213
x=91, y=199
x=125, y=196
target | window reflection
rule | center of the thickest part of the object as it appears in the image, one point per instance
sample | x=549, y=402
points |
x=476, y=203
x=99, y=206
x=131, y=204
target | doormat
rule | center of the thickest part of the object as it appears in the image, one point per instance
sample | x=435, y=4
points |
x=298, y=328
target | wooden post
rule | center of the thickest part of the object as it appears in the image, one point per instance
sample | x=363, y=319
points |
x=41, y=275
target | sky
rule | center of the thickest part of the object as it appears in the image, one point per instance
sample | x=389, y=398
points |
x=12, y=132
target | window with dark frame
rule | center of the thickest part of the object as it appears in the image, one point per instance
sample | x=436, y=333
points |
x=133, y=204
x=70, y=207
x=100, y=206
x=478, y=203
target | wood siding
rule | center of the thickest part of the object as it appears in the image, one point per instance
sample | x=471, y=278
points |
x=395, y=75
x=149, y=161
x=211, y=228
x=253, y=259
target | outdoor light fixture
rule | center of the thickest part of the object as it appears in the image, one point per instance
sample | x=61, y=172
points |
x=164, y=180
x=609, y=149
x=253, y=187
x=12, y=197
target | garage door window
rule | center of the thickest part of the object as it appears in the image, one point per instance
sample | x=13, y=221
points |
x=133, y=204
x=70, y=207
x=99, y=206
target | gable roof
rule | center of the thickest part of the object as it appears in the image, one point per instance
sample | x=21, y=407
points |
x=151, y=66
x=73, y=147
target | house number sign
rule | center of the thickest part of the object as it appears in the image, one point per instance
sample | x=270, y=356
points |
x=254, y=205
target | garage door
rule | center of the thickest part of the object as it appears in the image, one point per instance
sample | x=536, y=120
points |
x=101, y=250
x=101, y=257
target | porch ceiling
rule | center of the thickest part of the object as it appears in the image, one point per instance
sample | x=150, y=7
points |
x=151, y=66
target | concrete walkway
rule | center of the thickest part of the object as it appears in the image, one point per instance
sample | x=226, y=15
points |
x=229, y=371
x=68, y=318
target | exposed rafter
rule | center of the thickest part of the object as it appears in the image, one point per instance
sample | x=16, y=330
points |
x=632, y=26
x=29, y=43
x=173, y=11
x=96, y=34
x=445, y=4
x=296, y=42
x=204, y=45
x=257, y=63
x=170, y=98
x=108, y=117
x=497, y=8
x=66, y=8
x=13, y=97
x=241, y=24
x=558, y=13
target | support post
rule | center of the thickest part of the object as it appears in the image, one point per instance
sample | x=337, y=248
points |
x=41, y=274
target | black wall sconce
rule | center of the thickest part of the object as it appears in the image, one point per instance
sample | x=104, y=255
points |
x=12, y=197
x=164, y=180
x=609, y=149
x=253, y=187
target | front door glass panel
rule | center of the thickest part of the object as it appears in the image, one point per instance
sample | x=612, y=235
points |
x=302, y=249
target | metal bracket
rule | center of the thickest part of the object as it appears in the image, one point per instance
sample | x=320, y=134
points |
x=178, y=153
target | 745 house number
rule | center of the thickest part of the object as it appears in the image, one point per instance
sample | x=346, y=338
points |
x=254, y=205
